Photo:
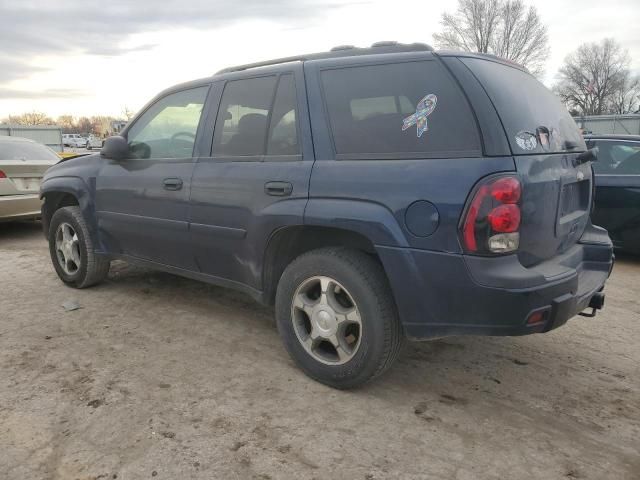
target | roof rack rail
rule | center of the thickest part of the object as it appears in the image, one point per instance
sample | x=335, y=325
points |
x=337, y=52
x=339, y=48
x=384, y=43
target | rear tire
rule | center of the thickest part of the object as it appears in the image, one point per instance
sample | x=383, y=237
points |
x=72, y=251
x=351, y=333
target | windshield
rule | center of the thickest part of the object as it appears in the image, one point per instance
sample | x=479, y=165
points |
x=534, y=118
x=13, y=150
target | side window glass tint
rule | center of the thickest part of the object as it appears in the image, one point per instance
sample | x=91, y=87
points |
x=605, y=160
x=283, y=131
x=391, y=109
x=362, y=108
x=627, y=158
x=617, y=158
x=168, y=128
x=241, y=125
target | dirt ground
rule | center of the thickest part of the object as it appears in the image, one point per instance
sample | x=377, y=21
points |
x=159, y=376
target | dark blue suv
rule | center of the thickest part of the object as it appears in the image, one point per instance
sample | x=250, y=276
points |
x=371, y=194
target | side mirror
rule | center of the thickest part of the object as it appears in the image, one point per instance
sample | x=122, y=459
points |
x=115, y=148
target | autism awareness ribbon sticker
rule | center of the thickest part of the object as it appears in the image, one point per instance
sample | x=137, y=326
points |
x=423, y=110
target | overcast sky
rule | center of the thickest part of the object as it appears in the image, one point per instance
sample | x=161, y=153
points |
x=86, y=57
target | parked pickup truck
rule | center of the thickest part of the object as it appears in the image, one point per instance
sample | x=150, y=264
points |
x=371, y=194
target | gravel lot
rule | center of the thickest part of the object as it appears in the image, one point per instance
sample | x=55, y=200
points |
x=159, y=376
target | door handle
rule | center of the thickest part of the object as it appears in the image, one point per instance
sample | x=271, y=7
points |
x=172, y=183
x=278, y=189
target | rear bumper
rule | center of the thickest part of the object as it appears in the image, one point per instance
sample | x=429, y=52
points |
x=17, y=207
x=441, y=294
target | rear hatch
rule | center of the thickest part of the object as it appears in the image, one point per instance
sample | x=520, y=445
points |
x=545, y=143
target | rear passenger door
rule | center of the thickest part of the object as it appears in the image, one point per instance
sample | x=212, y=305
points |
x=256, y=178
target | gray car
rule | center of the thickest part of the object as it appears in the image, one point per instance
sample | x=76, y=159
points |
x=23, y=163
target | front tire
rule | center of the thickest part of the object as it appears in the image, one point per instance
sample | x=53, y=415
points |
x=337, y=318
x=72, y=251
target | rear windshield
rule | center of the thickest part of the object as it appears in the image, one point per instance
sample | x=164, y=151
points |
x=534, y=118
x=398, y=110
x=26, y=151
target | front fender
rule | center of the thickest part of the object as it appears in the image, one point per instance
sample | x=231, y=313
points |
x=78, y=188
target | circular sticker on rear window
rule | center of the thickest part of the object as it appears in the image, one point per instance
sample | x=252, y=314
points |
x=526, y=140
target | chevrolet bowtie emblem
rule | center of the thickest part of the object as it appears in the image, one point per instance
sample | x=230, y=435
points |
x=423, y=110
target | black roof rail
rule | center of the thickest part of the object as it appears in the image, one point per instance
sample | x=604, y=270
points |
x=337, y=52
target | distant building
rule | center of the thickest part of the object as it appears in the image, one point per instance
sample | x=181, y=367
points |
x=626, y=124
x=51, y=136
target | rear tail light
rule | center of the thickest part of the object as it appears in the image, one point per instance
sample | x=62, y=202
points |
x=2, y=174
x=491, y=222
x=504, y=218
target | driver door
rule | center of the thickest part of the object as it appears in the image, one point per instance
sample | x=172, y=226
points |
x=142, y=202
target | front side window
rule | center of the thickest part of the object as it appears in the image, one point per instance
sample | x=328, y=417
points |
x=168, y=128
x=391, y=110
x=616, y=157
x=257, y=117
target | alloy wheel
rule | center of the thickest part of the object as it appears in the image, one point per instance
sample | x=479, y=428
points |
x=326, y=320
x=68, y=248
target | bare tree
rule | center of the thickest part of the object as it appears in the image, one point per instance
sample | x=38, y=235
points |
x=84, y=125
x=596, y=79
x=101, y=124
x=128, y=114
x=506, y=28
x=67, y=122
x=627, y=98
x=30, y=119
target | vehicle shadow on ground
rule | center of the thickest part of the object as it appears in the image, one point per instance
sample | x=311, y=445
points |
x=19, y=230
x=627, y=257
x=458, y=367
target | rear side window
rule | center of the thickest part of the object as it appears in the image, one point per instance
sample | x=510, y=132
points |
x=411, y=109
x=283, y=129
x=534, y=118
x=616, y=157
x=257, y=117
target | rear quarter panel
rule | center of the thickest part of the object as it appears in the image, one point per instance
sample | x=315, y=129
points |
x=372, y=196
